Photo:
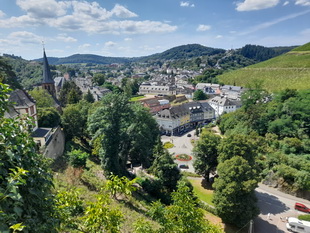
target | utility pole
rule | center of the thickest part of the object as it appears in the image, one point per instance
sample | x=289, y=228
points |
x=251, y=227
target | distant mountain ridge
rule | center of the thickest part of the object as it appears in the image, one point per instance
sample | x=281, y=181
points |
x=180, y=52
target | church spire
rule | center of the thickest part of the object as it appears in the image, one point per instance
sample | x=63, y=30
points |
x=48, y=82
x=47, y=77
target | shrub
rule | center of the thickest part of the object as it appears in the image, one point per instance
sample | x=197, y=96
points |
x=168, y=145
x=305, y=217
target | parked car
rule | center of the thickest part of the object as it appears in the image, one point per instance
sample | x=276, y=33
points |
x=183, y=166
x=297, y=226
x=302, y=207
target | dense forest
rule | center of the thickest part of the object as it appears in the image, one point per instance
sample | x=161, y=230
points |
x=279, y=123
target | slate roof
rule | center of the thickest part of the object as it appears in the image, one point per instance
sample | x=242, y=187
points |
x=41, y=132
x=47, y=77
x=222, y=101
x=21, y=99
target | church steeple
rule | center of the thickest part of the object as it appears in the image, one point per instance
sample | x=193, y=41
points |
x=48, y=82
x=47, y=78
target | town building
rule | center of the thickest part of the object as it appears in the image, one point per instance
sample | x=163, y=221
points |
x=222, y=104
x=23, y=104
x=181, y=118
x=148, y=89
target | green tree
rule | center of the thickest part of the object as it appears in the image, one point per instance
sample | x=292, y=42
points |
x=143, y=133
x=120, y=186
x=89, y=97
x=7, y=76
x=77, y=158
x=42, y=97
x=166, y=170
x=100, y=216
x=237, y=145
x=234, y=195
x=32, y=202
x=74, y=120
x=98, y=79
x=199, y=95
x=183, y=215
x=69, y=207
x=48, y=117
x=198, y=61
x=111, y=120
x=70, y=93
x=205, y=151
x=125, y=130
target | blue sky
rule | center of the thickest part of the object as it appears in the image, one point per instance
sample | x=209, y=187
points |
x=143, y=27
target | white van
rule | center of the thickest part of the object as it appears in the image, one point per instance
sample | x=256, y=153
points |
x=296, y=225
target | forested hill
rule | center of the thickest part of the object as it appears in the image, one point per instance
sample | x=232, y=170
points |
x=289, y=70
x=183, y=52
x=85, y=58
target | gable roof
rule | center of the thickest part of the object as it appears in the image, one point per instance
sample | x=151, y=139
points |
x=21, y=99
x=222, y=101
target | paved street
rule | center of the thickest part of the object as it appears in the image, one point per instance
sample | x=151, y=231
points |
x=182, y=145
x=278, y=204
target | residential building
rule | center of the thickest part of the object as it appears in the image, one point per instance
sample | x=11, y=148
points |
x=180, y=118
x=155, y=104
x=222, y=104
x=209, y=88
x=23, y=104
x=147, y=88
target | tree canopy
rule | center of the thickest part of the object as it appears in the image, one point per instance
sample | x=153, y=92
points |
x=126, y=132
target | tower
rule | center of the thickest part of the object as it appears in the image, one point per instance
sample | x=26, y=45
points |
x=48, y=83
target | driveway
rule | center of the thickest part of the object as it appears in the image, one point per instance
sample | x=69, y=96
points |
x=182, y=145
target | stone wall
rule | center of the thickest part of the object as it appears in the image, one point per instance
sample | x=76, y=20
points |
x=56, y=146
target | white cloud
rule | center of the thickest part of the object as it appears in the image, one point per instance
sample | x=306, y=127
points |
x=303, y=2
x=273, y=22
x=109, y=44
x=43, y=9
x=84, y=16
x=186, y=4
x=84, y=46
x=22, y=21
x=2, y=14
x=65, y=38
x=219, y=37
x=25, y=37
x=122, y=12
x=202, y=28
x=286, y=3
x=251, y=5
x=128, y=39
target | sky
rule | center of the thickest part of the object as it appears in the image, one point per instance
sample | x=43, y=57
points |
x=136, y=28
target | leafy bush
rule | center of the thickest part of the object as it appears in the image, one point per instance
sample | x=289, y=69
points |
x=305, y=217
x=168, y=145
x=77, y=158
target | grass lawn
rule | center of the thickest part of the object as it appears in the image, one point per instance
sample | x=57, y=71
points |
x=203, y=194
x=136, y=98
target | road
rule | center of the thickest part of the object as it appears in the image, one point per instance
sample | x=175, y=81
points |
x=278, y=204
